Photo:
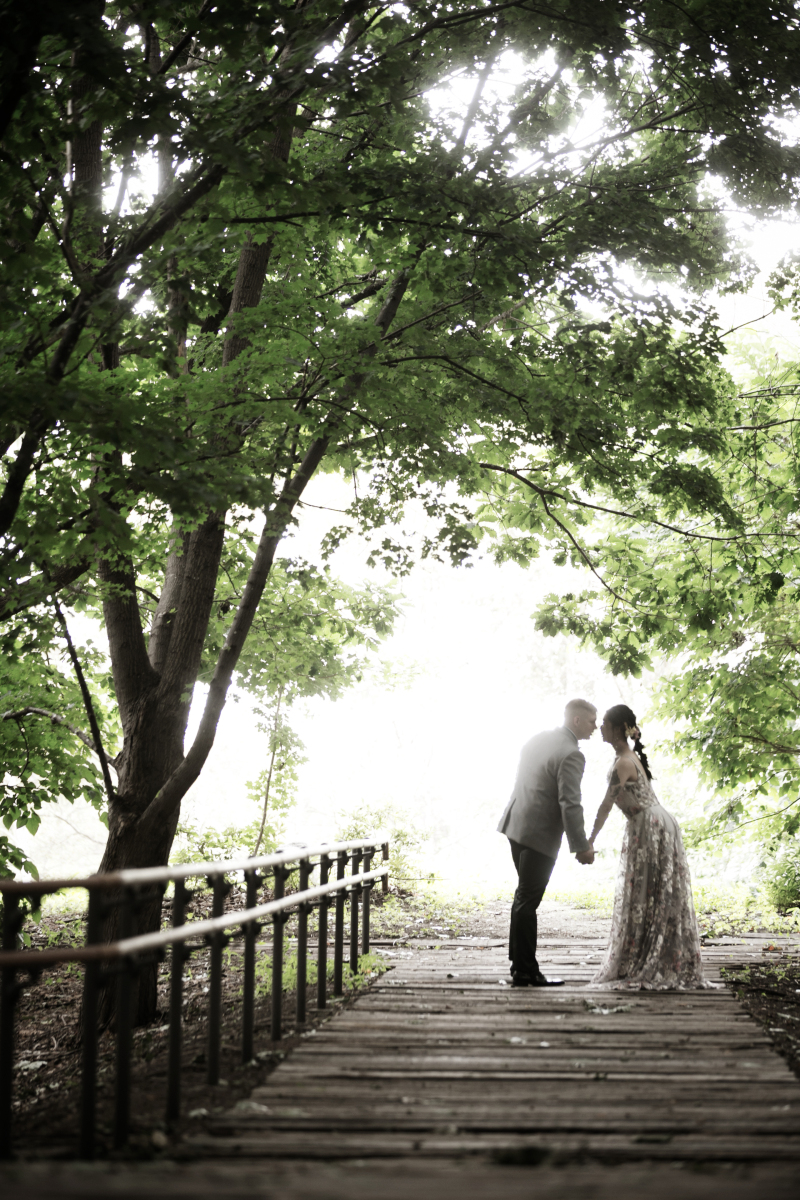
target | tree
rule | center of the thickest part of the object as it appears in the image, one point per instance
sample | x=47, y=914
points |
x=335, y=274
x=313, y=636
x=714, y=607
x=46, y=751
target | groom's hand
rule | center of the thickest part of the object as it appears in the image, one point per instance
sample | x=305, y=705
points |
x=586, y=856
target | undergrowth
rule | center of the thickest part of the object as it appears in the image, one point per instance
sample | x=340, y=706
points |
x=722, y=908
x=370, y=966
x=739, y=908
x=427, y=912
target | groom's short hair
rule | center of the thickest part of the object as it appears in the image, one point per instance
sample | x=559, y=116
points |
x=576, y=706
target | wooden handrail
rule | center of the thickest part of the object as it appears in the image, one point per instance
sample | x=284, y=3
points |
x=38, y=959
x=144, y=875
x=127, y=956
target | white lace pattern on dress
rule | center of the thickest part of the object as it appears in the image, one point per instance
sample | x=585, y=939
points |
x=654, y=941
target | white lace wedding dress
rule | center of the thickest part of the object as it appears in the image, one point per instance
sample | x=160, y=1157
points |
x=654, y=941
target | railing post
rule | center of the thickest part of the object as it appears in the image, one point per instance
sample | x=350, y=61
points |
x=322, y=936
x=276, y=1020
x=302, y=942
x=217, y=941
x=12, y=923
x=126, y=974
x=355, y=891
x=385, y=858
x=91, y=994
x=251, y=931
x=179, y=957
x=366, y=889
x=338, y=934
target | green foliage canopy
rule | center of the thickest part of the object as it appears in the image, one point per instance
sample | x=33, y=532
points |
x=715, y=608
x=333, y=272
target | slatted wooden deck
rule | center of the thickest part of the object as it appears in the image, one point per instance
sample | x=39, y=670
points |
x=443, y=1083
x=442, y=1059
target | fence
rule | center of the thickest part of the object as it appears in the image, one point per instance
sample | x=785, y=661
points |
x=120, y=962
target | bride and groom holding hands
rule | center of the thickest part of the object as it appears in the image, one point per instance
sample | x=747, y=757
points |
x=654, y=942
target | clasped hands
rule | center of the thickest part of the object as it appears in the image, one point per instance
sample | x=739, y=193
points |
x=586, y=856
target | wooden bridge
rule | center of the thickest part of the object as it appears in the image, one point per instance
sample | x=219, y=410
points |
x=443, y=1081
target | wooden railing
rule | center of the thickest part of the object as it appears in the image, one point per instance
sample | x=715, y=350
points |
x=118, y=963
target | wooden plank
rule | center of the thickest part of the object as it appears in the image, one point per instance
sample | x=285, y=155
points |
x=617, y=1148
x=400, y=1178
x=516, y=1090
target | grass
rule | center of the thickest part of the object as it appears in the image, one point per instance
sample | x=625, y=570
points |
x=740, y=908
x=423, y=913
x=370, y=966
x=599, y=899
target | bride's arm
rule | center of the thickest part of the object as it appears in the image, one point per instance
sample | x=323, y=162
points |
x=620, y=776
x=604, y=809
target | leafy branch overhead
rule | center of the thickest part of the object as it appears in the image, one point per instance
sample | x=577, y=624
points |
x=714, y=607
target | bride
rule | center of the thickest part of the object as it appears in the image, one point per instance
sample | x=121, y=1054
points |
x=654, y=939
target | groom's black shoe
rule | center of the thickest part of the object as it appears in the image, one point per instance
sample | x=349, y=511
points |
x=538, y=980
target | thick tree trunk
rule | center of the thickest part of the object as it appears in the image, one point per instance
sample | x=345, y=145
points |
x=154, y=749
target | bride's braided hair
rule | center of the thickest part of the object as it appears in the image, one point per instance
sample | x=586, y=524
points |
x=622, y=717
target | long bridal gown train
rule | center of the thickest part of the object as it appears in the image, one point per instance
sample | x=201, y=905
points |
x=654, y=941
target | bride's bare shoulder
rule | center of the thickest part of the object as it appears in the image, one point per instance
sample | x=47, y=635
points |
x=625, y=769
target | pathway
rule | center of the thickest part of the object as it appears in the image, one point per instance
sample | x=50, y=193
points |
x=441, y=1058
x=443, y=1083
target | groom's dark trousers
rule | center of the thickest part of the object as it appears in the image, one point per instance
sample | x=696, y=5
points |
x=534, y=870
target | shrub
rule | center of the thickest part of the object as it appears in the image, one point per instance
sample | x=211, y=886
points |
x=406, y=840
x=782, y=877
x=193, y=845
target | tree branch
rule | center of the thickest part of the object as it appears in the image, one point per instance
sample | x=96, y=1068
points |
x=275, y=526
x=183, y=42
x=21, y=469
x=130, y=664
x=268, y=784
x=766, y=816
x=691, y=534
x=55, y=719
x=36, y=590
x=88, y=705
x=583, y=553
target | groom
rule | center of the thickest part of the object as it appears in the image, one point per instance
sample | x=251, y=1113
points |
x=545, y=803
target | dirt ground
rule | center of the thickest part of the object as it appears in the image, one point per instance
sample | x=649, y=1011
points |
x=555, y=921
x=771, y=994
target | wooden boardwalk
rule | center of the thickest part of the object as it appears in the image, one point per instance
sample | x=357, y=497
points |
x=441, y=1059
x=444, y=1083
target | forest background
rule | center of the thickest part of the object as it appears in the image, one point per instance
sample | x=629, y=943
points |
x=457, y=602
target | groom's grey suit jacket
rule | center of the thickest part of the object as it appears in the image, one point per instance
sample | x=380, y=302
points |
x=546, y=801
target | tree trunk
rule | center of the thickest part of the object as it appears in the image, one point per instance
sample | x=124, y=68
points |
x=154, y=710
x=154, y=749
